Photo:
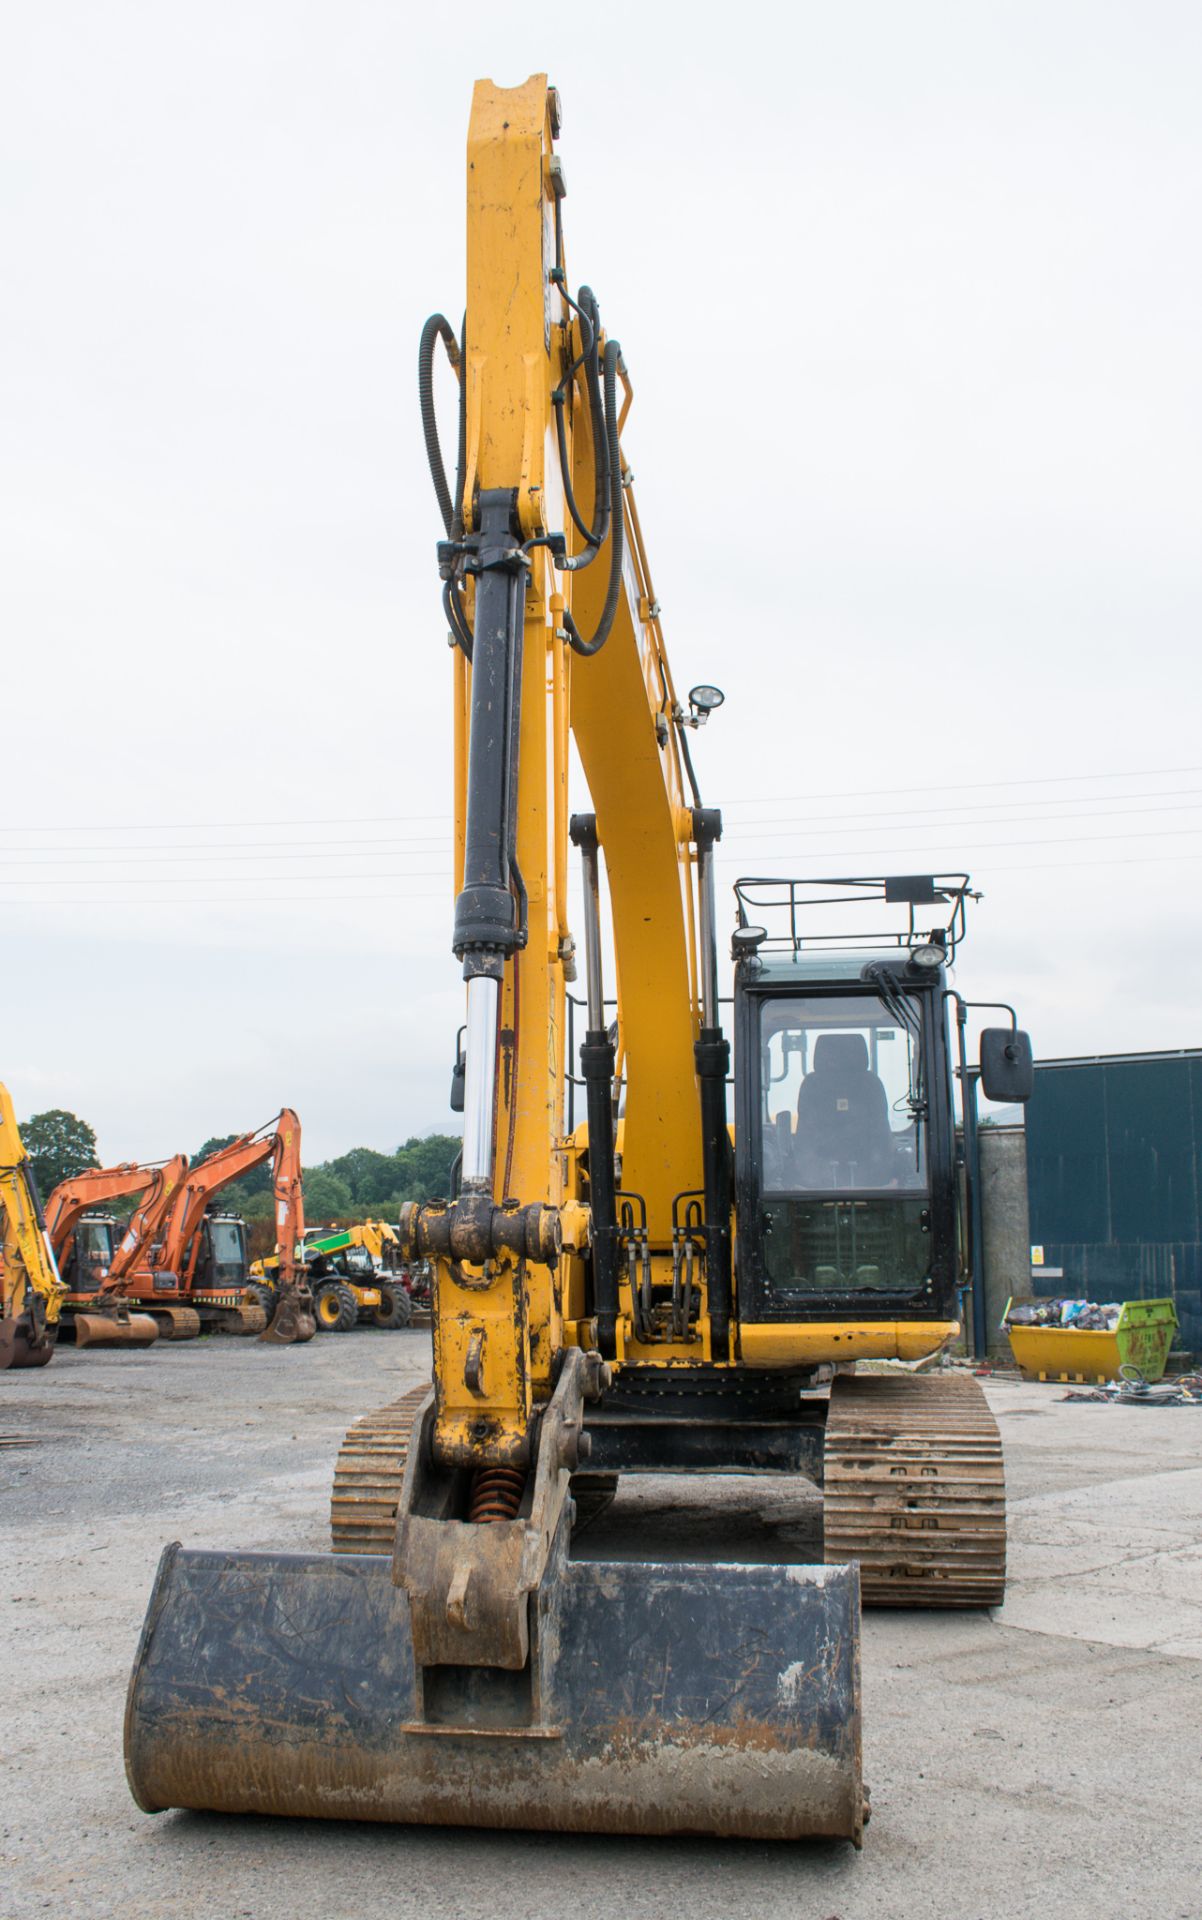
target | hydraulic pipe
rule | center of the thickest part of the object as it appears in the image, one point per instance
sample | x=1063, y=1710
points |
x=486, y=922
x=712, y=1056
x=597, y=1067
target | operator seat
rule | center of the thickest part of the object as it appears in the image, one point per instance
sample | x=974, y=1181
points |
x=843, y=1132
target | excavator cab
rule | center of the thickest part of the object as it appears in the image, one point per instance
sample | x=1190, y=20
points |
x=89, y=1253
x=845, y=1162
x=847, y=1159
x=222, y=1262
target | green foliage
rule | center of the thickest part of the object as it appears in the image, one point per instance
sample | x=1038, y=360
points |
x=425, y=1166
x=326, y=1196
x=376, y=1183
x=59, y=1144
x=370, y=1177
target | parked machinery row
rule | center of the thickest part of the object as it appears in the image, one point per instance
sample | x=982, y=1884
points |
x=180, y=1266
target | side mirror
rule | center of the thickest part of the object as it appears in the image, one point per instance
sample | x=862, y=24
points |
x=458, y=1084
x=1007, y=1064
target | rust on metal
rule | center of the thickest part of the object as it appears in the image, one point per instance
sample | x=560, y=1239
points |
x=658, y=1699
x=115, y=1327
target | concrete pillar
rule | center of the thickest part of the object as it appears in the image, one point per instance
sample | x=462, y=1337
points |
x=1006, y=1225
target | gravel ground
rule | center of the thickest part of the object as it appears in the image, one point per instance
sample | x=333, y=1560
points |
x=1044, y=1760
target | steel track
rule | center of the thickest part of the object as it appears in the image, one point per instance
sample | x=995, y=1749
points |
x=915, y=1490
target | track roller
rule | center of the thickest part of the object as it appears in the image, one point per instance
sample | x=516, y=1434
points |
x=178, y=1323
x=245, y=1320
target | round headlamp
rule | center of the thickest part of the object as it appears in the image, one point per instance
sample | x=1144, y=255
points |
x=926, y=957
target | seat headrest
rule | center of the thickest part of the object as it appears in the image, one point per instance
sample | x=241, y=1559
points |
x=841, y=1053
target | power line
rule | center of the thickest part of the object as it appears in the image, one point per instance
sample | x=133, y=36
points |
x=226, y=853
x=788, y=799
x=921, y=826
x=267, y=903
x=941, y=846
x=905, y=820
x=969, y=786
x=217, y=846
x=727, y=859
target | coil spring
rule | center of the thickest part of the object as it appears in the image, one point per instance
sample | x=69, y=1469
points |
x=496, y=1493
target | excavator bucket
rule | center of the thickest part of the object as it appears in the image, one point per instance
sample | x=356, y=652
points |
x=115, y=1329
x=25, y=1340
x=292, y=1320
x=660, y=1699
x=484, y=1677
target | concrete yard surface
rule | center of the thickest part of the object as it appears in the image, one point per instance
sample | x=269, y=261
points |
x=1043, y=1760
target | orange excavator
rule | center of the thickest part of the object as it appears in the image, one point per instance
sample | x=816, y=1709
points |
x=96, y=1308
x=201, y=1271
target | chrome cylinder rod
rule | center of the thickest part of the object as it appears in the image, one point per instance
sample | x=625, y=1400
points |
x=480, y=1048
x=592, y=939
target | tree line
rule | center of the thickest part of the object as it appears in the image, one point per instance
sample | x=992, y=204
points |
x=360, y=1185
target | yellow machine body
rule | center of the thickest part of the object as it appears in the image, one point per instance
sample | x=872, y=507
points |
x=31, y=1292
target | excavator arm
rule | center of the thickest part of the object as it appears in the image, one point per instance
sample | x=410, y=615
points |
x=31, y=1291
x=279, y=1142
x=147, y=1222
x=155, y=1180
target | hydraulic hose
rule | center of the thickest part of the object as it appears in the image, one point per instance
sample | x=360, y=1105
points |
x=599, y=413
x=437, y=328
x=615, y=515
x=589, y=323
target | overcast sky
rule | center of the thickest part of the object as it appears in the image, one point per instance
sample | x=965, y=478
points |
x=910, y=294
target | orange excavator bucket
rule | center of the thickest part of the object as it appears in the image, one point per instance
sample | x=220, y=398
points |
x=292, y=1320
x=117, y=1327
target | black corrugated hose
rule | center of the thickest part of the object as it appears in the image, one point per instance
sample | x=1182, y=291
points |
x=613, y=354
x=437, y=328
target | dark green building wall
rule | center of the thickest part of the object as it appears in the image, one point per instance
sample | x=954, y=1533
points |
x=1114, y=1173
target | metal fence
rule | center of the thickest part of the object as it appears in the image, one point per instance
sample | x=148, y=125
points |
x=1114, y=1172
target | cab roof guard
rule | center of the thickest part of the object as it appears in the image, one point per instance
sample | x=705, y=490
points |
x=796, y=914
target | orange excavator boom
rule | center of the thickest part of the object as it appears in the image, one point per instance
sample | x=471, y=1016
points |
x=96, y=1186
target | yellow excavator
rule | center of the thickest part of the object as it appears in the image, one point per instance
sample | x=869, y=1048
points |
x=31, y=1292
x=637, y=1290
